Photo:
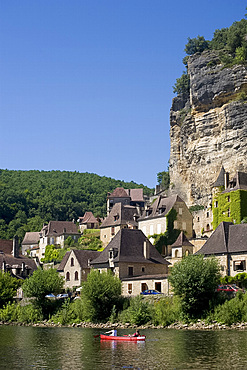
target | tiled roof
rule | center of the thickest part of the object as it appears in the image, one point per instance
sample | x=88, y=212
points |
x=239, y=181
x=182, y=241
x=161, y=206
x=31, y=238
x=120, y=215
x=136, y=195
x=220, y=181
x=60, y=228
x=118, y=193
x=11, y=261
x=6, y=246
x=82, y=256
x=218, y=242
x=129, y=244
x=88, y=218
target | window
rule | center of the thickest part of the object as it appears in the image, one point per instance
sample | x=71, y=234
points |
x=76, y=275
x=187, y=252
x=67, y=276
x=130, y=270
x=129, y=288
x=207, y=214
x=239, y=265
x=208, y=227
x=176, y=253
x=144, y=287
x=113, y=230
x=158, y=286
x=180, y=211
x=143, y=269
x=72, y=262
x=198, y=219
x=51, y=240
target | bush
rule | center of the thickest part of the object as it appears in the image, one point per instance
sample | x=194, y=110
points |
x=139, y=311
x=233, y=310
x=195, y=279
x=167, y=311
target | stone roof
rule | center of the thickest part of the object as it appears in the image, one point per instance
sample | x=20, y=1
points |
x=14, y=261
x=120, y=215
x=31, y=238
x=82, y=256
x=227, y=238
x=128, y=245
x=60, y=227
x=182, y=241
x=239, y=182
x=6, y=246
x=161, y=206
x=118, y=193
x=220, y=181
x=88, y=218
x=136, y=195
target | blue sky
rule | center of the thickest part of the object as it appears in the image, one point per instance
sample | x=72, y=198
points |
x=86, y=85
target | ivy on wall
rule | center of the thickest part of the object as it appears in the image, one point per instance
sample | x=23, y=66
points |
x=171, y=234
x=229, y=207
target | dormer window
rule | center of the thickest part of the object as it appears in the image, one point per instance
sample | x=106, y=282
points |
x=116, y=217
x=162, y=210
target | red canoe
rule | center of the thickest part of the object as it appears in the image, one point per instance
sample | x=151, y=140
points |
x=125, y=338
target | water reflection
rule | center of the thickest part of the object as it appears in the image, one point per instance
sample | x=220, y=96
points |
x=76, y=348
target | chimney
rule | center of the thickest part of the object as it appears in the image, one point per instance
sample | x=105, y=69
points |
x=146, y=250
x=226, y=179
x=15, y=250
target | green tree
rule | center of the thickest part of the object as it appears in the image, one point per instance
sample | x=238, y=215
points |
x=89, y=241
x=196, y=45
x=100, y=293
x=194, y=279
x=163, y=179
x=182, y=85
x=41, y=283
x=8, y=287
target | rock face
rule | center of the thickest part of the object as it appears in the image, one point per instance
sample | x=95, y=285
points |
x=208, y=129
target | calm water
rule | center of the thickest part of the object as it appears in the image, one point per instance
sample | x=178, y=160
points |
x=76, y=348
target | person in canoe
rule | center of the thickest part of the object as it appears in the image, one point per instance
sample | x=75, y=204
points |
x=136, y=334
x=112, y=333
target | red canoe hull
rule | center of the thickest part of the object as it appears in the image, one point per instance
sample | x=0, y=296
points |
x=125, y=338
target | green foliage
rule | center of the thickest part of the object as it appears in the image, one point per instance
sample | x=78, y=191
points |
x=163, y=179
x=182, y=85
x=233, y=310
x=239, y=279
x=171, y=234
x=30, y=198
x=100, y=293
x=139, y=311
x=13, y=312
x=194, y=279
x=89, y=241
x=54, y=254
x=232, y=207
x=41, y=283
x=8, y=287
x=167, y=310
x=196, y=45
x=195, y=208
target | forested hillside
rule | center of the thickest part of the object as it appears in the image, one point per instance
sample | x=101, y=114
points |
x=30, y=198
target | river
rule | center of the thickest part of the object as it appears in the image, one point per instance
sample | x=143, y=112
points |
x=76, y=348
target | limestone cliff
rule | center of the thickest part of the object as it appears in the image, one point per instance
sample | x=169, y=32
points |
x=209, y=128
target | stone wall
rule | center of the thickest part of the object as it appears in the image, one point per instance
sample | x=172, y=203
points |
x=209, y=129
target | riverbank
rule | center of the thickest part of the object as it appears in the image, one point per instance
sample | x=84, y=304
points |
x=199, y=325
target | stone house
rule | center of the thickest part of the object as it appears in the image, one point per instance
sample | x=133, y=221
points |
x=229, y=198
x=137, y=263
x=30, y=242
x=121, y=216
x=154, y=219
x=56, y=232
x=12, y=261
x=228, y=243
x=131, y=197
x=75, y=267
x=88, y=221
x=180, y=248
